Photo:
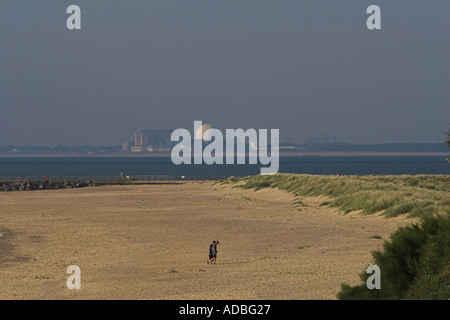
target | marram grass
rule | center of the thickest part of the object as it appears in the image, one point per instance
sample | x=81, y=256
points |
x=416, y=196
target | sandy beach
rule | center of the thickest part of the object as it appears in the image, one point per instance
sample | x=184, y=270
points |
x=151, y=242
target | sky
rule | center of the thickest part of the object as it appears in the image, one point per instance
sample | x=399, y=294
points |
x=311, y=69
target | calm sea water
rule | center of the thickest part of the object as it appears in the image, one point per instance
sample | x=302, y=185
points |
x=94, y=166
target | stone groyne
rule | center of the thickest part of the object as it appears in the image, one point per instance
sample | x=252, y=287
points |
x=26, y=185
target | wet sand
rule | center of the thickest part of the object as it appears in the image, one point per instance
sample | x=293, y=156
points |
x=152, y=241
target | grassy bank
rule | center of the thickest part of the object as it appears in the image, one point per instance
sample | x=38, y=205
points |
x=415, y=263
x=393, y=195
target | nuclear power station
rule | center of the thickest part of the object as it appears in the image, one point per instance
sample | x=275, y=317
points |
x=150, y=140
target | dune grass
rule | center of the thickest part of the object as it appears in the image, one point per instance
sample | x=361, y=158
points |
x=392, y=195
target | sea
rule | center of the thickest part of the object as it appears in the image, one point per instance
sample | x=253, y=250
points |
x=55, y=167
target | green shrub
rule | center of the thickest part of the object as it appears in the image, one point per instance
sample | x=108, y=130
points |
x=414, y=264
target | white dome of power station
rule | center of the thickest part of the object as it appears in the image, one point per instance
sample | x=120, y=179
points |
x=202, y=132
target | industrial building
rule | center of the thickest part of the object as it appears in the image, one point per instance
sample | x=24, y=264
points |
x=149, y=140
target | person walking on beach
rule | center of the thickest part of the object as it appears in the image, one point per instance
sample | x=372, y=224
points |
x=215, y=251
x=211, y=251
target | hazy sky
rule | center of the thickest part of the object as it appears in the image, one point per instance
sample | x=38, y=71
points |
x=308, y=68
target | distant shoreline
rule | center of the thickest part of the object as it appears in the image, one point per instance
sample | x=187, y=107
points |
x=282, y=154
